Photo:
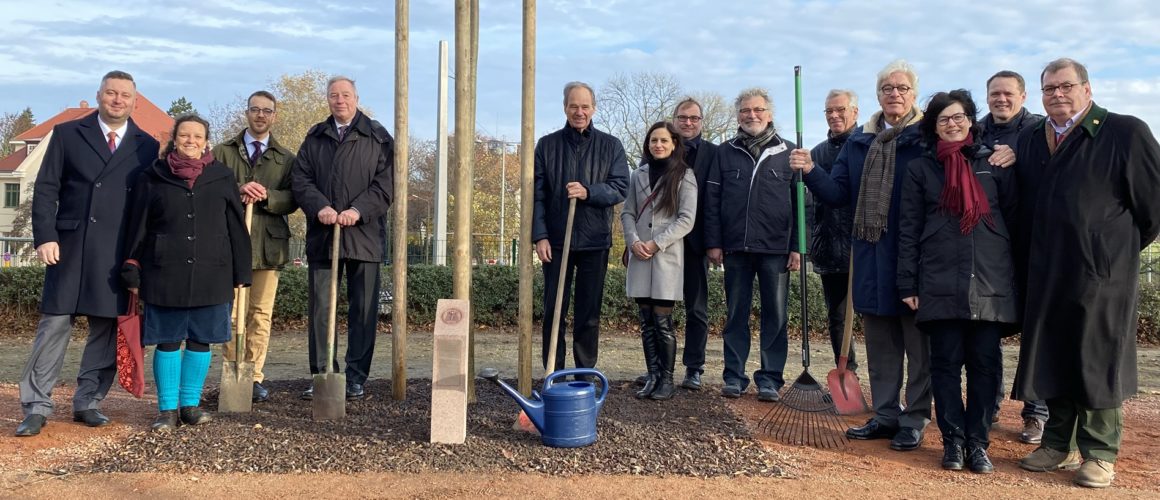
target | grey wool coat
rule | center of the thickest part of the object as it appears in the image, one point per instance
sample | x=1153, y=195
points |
x=661, y=277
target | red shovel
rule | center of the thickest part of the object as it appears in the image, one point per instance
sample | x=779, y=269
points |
x=844, y=386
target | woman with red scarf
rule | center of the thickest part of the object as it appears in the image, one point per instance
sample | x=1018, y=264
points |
x=956, y=271
x=187, y=250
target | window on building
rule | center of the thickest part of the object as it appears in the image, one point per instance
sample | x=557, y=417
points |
x=11, y=195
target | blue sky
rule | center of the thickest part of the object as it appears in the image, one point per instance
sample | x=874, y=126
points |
x=214, y=51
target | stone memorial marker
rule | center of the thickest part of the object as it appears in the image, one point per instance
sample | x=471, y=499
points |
x=449, y=372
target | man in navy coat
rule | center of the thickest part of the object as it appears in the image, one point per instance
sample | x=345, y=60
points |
x=78, y=218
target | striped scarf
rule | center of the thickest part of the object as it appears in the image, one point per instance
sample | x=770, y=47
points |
x=873, y=209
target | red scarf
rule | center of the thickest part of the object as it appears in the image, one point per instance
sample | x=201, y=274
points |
x=188, y=168
x=962, y=195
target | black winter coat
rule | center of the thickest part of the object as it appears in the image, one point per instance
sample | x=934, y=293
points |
x=81, y=200
x=358, y=173
x=831, y=227
x=747, y=212
x=1007, y=134
x=957, y=276
x=1085, y=213
x=695, y=240
x=596, y=160
x=191, y=243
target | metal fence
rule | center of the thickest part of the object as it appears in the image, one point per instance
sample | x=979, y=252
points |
x=16, y=252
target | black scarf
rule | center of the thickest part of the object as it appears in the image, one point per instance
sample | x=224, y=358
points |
x=755, y=143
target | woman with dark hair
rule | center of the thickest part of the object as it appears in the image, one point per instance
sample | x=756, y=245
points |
x=956, y=271
x=658, y=212
x=187, y=250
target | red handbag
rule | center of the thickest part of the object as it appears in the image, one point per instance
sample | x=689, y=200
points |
x=130, y=352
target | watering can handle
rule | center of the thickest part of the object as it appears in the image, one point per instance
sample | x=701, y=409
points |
x=580, y=371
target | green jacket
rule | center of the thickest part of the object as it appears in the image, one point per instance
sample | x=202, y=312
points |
x=270, y=232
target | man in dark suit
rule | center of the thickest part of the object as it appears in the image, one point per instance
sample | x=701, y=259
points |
x=698, y=154
x=78, y=218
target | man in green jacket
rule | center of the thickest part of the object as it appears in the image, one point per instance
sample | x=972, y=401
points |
x=262, y=168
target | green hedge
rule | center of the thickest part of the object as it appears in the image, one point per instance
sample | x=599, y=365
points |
x=496, y=298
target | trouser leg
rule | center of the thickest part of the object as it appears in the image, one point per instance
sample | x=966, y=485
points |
x=318, y=282
x=362, y=288
x=947, y=351
x=98, y=367
x=259, y=314
x=551, y=282
x=590, y=268
x=984, y=362
x=1098, y=432
x=739, y=274
x=884, y=356
x=43, y=367
x=916, y=415
x=696, y=295
x=834, y=289
x=773, y=283
x=1059, y=430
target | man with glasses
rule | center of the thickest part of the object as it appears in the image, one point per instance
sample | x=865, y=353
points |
x=1089, y=183
x=1006, y=93
x=830, y=237
x=262, y=169
x=749, y=226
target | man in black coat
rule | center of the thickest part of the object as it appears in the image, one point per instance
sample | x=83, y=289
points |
x=1006, y=93
x=832, y=226
x=1089, y=183
x=344, y=175
x=78, y=224
x=699, y=154
x=588, y=165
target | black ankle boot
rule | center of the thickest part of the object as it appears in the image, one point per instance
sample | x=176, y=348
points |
x=666, y=356
x=648, y=336
x=193, y=415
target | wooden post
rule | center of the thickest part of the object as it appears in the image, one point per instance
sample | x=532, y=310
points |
x=527, y=196
x=402, y=174
x=464, y=147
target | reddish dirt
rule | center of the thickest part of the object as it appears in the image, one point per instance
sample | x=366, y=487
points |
x=867, y=469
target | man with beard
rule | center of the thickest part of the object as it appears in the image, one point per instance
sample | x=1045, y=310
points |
x=262, y=169
x=749, y=226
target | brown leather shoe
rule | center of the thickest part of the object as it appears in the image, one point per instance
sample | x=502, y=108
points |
x=1095, y=473
x=1032, y=431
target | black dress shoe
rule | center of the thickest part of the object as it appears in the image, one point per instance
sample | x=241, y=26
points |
x=907, y=439
x=692, y=380
x=952, y=455
x=871, y=430
x=31, y=425
x=979, y=462
x=260, y=393
x=355, y=391
x=308, y=394
x=91, y=418
x=192, y=415
x=167, y=421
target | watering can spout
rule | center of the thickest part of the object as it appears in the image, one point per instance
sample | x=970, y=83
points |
x=533, y=408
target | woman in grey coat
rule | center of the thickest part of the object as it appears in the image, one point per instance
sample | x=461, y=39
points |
x=657, y=214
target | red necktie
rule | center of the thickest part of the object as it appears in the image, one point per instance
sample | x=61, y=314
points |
x=112, y=142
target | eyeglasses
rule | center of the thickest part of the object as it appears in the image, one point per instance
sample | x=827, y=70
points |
x=756, y=111
x=888, y=89
x=688, y=118
x=254, y=110
x=958, y=118
x=1066, y=88
x=839, y=111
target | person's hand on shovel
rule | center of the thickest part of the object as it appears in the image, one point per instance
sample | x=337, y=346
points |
x=799, y=159
x=911, y=302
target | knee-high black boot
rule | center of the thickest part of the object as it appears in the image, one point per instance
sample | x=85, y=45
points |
x=666, y=348
x=648, y=335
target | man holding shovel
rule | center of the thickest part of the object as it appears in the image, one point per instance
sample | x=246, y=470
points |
x=262, y=169
x=344, y=175
x=582, y=163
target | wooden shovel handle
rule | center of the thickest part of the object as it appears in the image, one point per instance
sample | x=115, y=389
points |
x=848, y=323
x=560, y=289
x=333, y=311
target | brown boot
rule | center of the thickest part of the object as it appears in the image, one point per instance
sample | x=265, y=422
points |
x=1046, y=460
x=1095, y=473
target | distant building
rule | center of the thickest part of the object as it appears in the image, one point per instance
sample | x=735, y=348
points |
x=18, y=170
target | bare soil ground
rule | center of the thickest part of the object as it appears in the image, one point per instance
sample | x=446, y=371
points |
x=57, y=463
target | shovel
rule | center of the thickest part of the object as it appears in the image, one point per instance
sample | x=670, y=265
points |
x=844, y=385
x=236, y=394
x=330, y=386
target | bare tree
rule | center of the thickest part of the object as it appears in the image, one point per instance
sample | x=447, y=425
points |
x=628, y=104
x=12, y=125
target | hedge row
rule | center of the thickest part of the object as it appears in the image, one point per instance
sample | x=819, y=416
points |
x=495, y=295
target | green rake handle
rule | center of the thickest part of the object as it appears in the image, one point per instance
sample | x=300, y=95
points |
x=800, y=191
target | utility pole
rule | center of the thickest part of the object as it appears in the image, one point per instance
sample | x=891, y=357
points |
x=502, y=198
x=440, y=201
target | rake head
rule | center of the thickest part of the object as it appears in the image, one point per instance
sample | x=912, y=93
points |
x=805, y=416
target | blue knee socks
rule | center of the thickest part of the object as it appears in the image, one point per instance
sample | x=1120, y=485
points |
x=194, y=367
x=167, y=376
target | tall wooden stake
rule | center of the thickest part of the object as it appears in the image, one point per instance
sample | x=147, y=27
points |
x=464, y=147
x=527, y=196
x=402, y=175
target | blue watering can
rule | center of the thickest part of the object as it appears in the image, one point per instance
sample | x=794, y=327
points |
x=565, y=414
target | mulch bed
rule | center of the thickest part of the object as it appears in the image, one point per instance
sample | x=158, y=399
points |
x=695, y=434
